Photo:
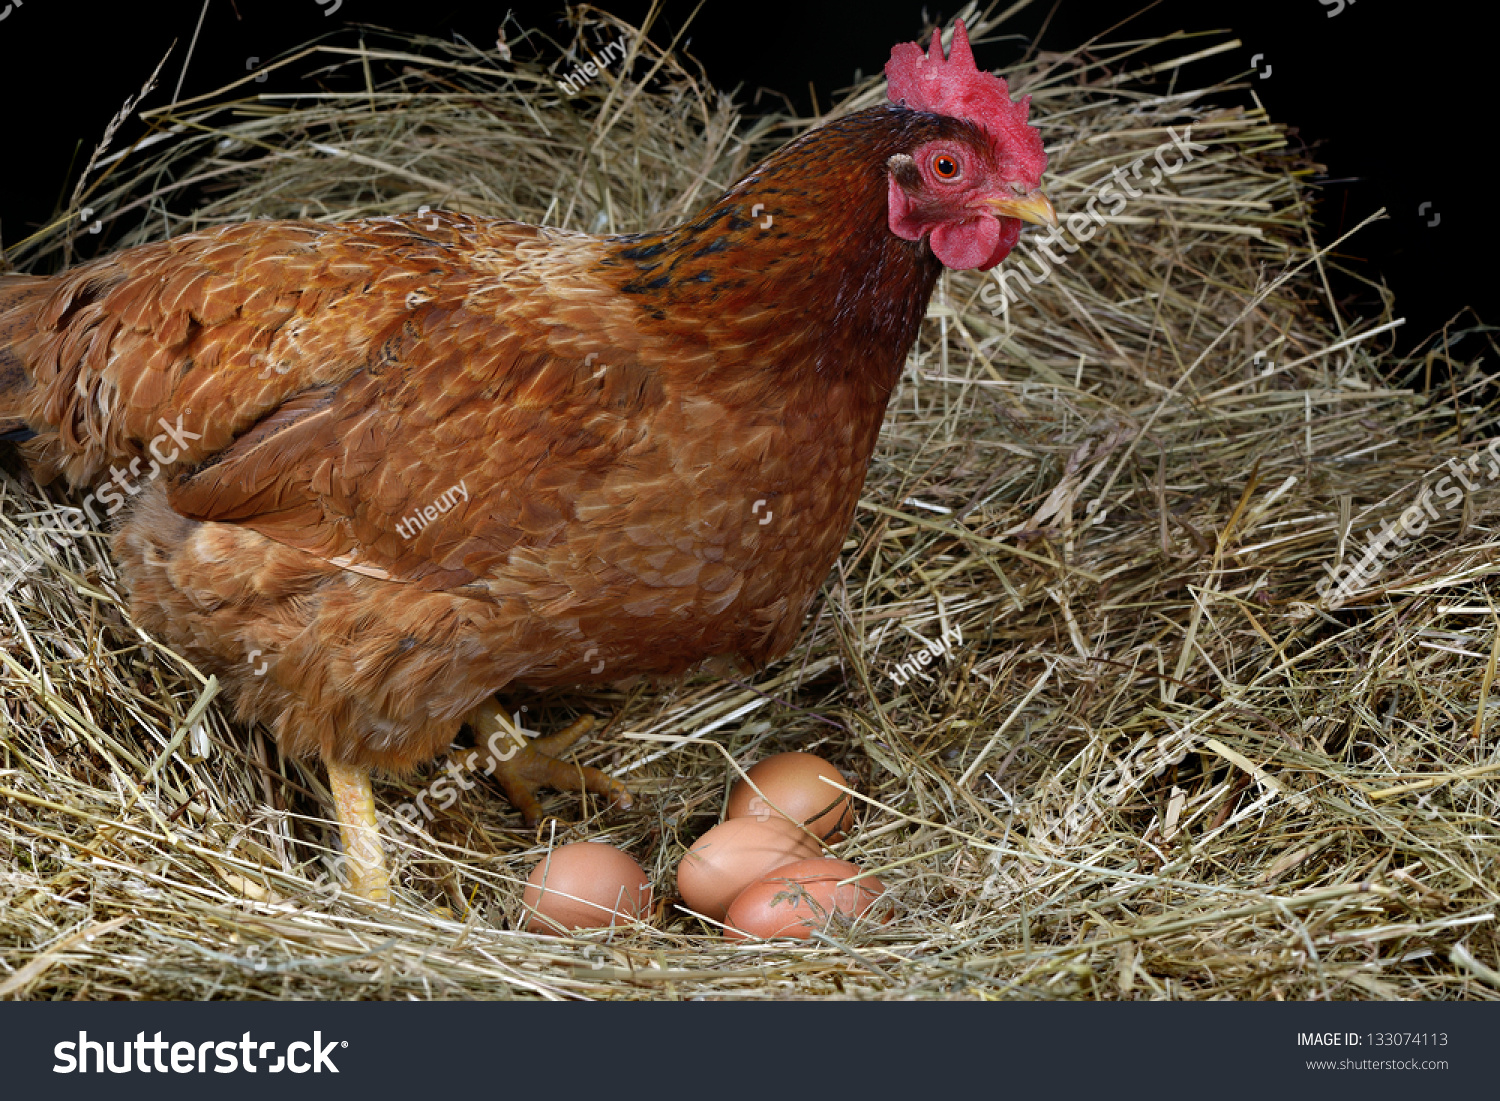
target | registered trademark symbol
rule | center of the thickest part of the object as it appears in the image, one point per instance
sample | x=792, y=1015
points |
x=343, y=1043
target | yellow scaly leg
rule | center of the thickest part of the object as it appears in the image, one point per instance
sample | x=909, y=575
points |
x=354, y=803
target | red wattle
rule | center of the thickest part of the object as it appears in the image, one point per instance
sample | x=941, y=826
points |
x=980, y=244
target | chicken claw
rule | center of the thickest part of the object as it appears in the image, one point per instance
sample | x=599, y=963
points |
x=521, y=767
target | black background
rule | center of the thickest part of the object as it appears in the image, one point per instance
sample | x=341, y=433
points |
x=1396, y=99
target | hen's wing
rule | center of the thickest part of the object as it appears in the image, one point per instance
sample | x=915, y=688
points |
x=334, y=387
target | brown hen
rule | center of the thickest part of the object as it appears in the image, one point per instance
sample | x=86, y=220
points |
x=408, y=462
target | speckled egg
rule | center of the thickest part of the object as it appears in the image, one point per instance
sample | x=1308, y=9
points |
x=795, y=899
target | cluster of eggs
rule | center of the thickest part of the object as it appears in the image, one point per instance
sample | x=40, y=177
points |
x=759, y=873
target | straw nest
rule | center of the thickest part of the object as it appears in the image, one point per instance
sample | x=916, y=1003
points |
x=1159, y=764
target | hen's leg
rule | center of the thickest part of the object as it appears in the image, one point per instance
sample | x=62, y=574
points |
x=522, y=766
x=354, y=804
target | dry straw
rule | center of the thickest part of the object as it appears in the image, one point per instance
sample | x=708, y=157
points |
x=1155, y=767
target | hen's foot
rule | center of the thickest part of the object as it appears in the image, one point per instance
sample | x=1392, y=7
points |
x=354, y=803
x=522, y=765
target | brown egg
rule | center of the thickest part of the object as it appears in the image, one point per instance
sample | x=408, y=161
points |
x=734, y=854
x=790, y=783
x=797, y=898
x=584, y=886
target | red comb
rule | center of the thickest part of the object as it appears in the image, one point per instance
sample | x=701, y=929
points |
x=954, y=86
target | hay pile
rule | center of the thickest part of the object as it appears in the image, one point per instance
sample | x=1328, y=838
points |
x=1158, y=765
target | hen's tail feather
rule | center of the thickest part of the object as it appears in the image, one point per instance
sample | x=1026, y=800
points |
x=21, y=296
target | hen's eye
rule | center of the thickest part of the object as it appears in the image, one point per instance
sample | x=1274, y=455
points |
x=945, y=167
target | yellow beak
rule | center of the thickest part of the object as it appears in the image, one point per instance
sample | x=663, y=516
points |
x=1031, y=207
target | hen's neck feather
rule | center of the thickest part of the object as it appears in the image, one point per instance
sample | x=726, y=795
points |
x=813, y=284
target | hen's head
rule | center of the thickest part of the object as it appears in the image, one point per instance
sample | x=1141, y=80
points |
x=971, y=195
